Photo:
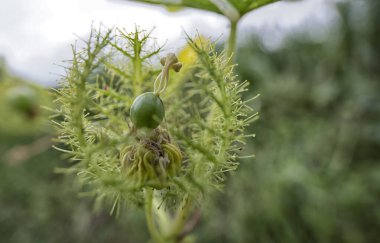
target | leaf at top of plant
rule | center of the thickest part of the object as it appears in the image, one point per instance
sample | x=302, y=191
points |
x=232, y=9
x=174, y=8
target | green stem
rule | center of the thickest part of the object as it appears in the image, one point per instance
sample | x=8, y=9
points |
x=231, y=44
x=149, y=217
x=180, y=219
x=136, y=74
x=137, y=64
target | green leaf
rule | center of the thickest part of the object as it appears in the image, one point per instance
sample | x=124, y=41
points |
x=232, y=9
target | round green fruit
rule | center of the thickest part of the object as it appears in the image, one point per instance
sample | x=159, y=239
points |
x=147, y=111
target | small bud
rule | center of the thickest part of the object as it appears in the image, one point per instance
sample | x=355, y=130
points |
x=177, y=67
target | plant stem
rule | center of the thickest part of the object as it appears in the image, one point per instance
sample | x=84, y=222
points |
x=137, y=70
x=137, y=64
x=231, y=44
x=181, y=218
x=149, y=217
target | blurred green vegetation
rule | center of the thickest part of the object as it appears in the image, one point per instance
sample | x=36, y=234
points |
x=20, y=105
x=37, y=204
x=316, y=175
x=315, y=178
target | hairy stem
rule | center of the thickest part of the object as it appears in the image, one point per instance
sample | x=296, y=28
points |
x=136, y=72
x=137, y=64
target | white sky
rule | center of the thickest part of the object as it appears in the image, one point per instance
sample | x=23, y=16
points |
x=35, y=35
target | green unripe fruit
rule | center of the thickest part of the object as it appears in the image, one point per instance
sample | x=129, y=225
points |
x=147, y=111
x=22, y=98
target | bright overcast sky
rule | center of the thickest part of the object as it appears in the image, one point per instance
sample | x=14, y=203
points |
x=35, y=35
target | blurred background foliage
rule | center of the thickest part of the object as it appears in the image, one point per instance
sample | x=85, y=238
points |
x=315, y=178
x=21, y=103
